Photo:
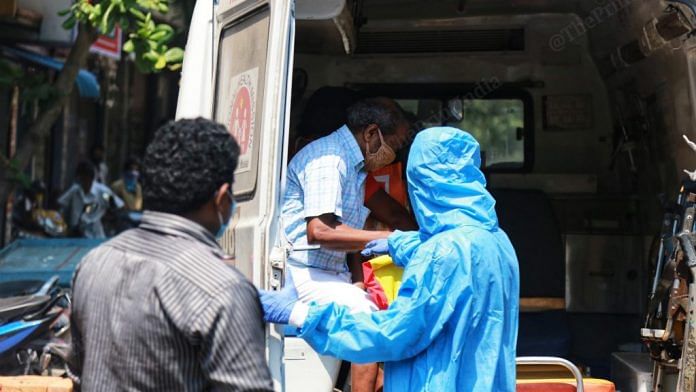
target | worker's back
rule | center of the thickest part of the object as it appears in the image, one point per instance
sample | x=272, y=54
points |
x=474, y=349
x=462, y=266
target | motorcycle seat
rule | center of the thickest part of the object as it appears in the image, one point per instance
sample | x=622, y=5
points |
x=14, y=307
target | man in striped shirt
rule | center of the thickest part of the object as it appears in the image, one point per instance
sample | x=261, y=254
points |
x=157, y=308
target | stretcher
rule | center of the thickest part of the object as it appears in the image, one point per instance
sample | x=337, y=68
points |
x=531, y=381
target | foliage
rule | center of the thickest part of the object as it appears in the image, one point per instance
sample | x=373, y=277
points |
x=149, y=41
x=35, y=87
x=494, y=123
x=16, y=175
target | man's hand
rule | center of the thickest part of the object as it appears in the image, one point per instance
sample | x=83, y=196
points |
x=376, y=248
x=277, y=305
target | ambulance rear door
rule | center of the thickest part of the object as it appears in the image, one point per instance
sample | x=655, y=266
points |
x=254, y=46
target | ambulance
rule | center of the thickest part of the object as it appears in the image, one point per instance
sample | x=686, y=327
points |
x=584, y=111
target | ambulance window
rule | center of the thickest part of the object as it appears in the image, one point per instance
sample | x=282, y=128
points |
x=498, y=125
x=239, y=89
x=426, y=112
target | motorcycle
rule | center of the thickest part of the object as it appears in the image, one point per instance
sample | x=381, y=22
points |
x=34, y=332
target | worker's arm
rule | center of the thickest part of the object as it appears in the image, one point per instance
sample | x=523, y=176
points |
x=403, y=245
x=434, y=286
x=388, y=211
x=326, y=230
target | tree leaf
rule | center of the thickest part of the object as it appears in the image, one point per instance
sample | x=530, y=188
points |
x=174, y=55
x=151, y=56
x=137, y=13
x=158, y=35
x=107, y=23
x=161, y=63
x=64, y=12
x=129, y=46
x=69, y=23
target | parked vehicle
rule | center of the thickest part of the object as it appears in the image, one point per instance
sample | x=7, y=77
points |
x=579, y=107
x=32, y=329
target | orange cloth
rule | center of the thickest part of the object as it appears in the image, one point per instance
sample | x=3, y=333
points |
x=390, y=179
x=381, y=277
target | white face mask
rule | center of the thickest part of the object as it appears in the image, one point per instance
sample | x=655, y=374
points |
x=380, y=158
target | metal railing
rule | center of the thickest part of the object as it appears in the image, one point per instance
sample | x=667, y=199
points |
x=555, y=361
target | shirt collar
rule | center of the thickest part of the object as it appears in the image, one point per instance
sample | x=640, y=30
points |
x=179, y=226
x=355, y=155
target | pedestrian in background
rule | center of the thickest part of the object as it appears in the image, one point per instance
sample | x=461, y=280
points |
x=128, y=186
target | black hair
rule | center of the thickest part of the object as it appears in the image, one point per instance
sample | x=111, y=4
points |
x=383, y=112
x=325, y=111
x=84, y=168
x=186, y=163
x=131, y=161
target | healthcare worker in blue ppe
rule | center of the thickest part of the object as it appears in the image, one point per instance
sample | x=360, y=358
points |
x=453, y=325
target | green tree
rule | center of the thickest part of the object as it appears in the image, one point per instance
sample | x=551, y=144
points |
x=147, y=40
x=494, y=123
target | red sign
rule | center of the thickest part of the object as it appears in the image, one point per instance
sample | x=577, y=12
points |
x=109, y=45
x=240, y=121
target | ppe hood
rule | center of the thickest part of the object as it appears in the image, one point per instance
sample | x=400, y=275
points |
x=445, y=185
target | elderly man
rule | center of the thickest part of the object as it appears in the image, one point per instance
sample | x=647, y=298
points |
x=453, y=325
x=324, y=208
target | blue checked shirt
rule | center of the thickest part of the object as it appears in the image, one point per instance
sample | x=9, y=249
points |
x=325, y=177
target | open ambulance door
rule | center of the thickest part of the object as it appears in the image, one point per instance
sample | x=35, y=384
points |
x=251, y=96
x=236, y=71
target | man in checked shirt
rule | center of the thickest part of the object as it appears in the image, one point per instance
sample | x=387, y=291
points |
x=156, y=308
x=324, y=206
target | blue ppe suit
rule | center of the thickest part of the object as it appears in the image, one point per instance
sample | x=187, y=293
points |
x=453, y=325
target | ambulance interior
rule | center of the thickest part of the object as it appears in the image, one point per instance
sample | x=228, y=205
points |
x=579, y=107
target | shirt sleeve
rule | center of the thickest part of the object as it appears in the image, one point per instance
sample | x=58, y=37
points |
x=432, y=289
x=64, y=199
x=117, y=200
x=233, y=347
x=403, y=245
x=324, y=179
x=77, y=352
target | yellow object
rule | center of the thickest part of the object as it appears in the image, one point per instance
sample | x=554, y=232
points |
x=382, y=280
x=35, y=384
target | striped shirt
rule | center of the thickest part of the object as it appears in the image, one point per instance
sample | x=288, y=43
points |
x=156, y=308
x=325, y=177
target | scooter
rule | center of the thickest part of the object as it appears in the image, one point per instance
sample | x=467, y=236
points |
x=31, y=330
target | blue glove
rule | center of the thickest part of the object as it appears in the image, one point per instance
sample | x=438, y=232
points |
x=376, y=248
x=277, y=305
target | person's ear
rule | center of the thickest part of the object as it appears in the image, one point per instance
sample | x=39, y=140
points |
x=221, y=194
x=371, y=131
